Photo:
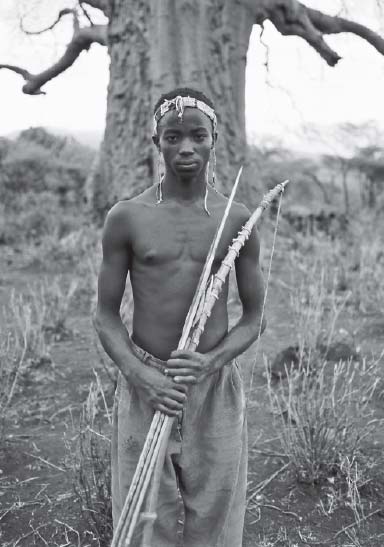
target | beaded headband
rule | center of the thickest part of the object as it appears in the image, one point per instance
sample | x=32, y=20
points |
x=179, y=103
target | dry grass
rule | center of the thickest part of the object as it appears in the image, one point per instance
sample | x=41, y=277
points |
x=22, y=346
x=354, y=262
x=34, y=319
x=323, y=414
x=12, y=355
x=324, y=410
x=369, y=286
x=89, y=457
x=27, y=315
x=55, y=299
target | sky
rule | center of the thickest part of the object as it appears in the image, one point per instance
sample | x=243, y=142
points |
x=297, y=87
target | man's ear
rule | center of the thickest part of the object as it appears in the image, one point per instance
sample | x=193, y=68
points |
x=155, y=140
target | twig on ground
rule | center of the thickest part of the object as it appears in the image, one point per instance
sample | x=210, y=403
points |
x=29, y=534
x=266, y=441
x=67, y=526
x=60, y=411
x=7, y=511
x=44, y=487
x=15, y=438
x=36, y=531
x=46, y=462
x=357, y=523
x=27, y=480
x=259, y=487
x=99, y=434
x=343, y=530
x=284, y=511
x=267, y=453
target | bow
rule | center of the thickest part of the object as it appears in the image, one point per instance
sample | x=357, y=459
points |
x=152, y=457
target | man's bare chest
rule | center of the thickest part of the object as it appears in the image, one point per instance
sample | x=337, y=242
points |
x=170, y=236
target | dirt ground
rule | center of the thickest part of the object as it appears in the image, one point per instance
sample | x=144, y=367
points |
x=38, y=504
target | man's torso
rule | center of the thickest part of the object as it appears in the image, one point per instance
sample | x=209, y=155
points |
x=169, y=244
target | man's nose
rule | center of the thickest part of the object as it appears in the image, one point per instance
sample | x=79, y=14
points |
x=186, y=147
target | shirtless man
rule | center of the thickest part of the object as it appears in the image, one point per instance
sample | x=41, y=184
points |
x=162, y=238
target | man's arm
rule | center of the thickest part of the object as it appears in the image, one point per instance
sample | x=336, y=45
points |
x=111, y=285
x=250, y=284
x=191, y=367
x=160, y=392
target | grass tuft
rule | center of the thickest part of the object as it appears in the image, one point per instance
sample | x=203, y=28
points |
x=323, y=414
x=90, y=458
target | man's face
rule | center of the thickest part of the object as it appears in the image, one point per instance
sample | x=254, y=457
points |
x=185, y=146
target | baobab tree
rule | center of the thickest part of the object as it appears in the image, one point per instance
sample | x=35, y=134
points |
x=156, y=45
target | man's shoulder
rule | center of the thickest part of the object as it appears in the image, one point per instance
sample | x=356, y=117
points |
x=238, y=213
x=147, y=196
x=125, y=208
x=223, y=199
x=240, y=210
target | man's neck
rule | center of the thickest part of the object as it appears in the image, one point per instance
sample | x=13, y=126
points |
x=184, y=189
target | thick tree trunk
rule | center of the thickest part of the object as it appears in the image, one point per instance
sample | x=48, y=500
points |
x=154, y=46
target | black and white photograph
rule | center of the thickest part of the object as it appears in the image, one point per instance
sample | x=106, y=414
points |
x=191, y=273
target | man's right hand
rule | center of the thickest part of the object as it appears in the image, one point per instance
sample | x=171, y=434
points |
x=159, y=391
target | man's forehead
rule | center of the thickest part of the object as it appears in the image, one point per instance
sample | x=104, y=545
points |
x=191, y=117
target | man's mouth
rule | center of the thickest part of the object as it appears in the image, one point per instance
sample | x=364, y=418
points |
x=186, y=164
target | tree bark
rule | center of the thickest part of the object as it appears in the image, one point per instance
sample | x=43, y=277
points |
x=157, y=45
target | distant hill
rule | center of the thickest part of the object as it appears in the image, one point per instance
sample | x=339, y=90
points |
x=91, y=138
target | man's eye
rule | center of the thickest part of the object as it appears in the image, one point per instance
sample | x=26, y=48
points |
x=171, y=138
x=200, y=138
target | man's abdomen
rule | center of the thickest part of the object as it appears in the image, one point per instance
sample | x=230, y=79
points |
x=158, y=330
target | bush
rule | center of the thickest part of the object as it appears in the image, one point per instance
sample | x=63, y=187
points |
x=38, y=161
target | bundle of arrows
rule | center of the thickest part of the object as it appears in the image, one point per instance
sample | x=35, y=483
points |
x=151, y=460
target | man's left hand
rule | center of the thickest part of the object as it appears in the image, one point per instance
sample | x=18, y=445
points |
x=188, y=367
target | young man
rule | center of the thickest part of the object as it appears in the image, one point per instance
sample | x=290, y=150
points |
x=162, y=238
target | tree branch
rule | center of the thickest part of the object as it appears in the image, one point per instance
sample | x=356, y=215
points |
x=82, y=39
x=335, y=25
x=85, y=13
x=292, y=18
x=102, y=5
x=62, y=12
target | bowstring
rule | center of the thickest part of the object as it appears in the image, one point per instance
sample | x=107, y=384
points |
x=264, y=299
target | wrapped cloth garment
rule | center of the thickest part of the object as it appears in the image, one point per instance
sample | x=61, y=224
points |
x=202, y=496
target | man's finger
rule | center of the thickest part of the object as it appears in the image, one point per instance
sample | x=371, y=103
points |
x=181, y=372
x=172, y=404
x=187, y=353
x=180, y=387
x=185, y=380
x=168, y=411
x=176, y=395
x=177, y=364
